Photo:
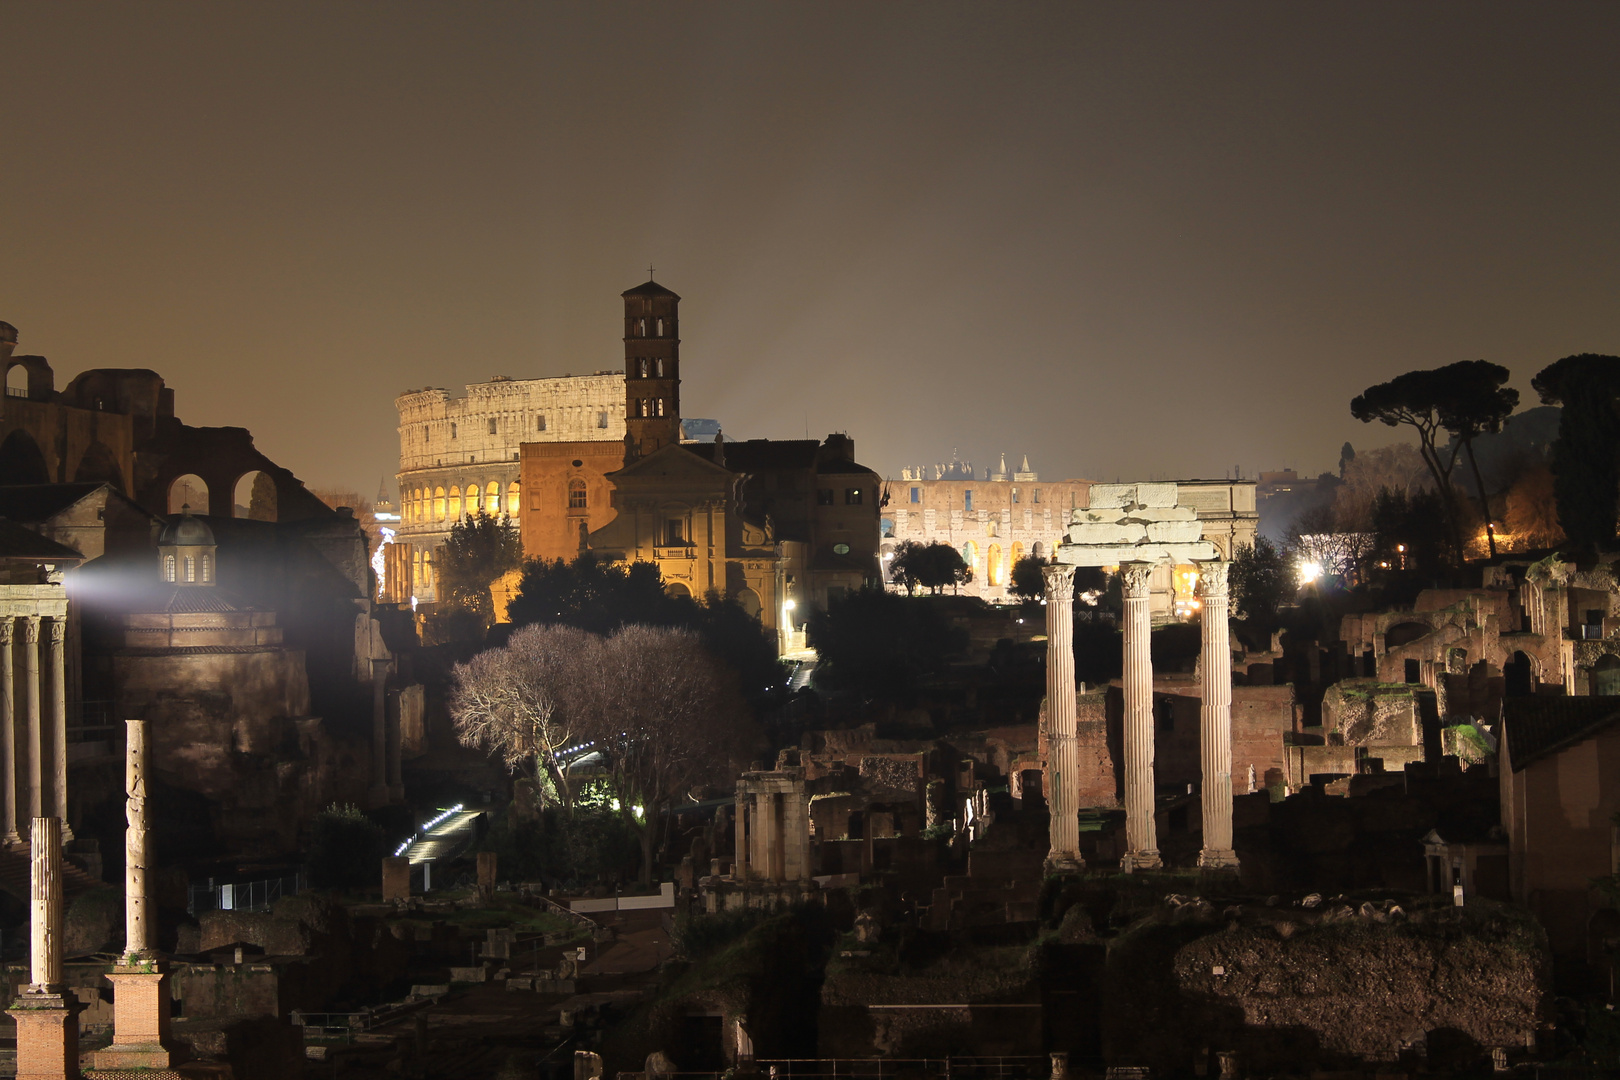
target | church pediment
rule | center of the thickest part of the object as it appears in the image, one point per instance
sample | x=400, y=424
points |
x=671, y=463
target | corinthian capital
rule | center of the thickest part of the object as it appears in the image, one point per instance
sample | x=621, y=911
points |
x=1212, y=577
x=58, y=631
x=7, y=625
x=1135, y=578
x=1059, y=583
x=31, y=629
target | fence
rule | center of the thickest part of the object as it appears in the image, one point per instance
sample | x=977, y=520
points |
x=241, y=896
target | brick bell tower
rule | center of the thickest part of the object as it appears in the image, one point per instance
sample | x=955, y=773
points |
x=652, y=369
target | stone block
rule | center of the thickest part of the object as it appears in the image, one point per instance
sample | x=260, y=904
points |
x=1157, y=495
x=479, y=974
x=396, y=878
x=1104, y=496
x=1107, y=533
x=1174, y=532
x=486, y=874
x=47, y=1036
x=1149, y=514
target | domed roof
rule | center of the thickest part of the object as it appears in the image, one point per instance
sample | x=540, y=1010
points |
x=186, y=531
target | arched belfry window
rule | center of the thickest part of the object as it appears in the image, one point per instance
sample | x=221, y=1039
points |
x=643, y=367
x=660, y=367
x=207, y=569
x=168, y=568
x=191, y=568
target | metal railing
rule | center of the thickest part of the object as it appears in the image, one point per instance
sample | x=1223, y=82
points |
x=241, y=896
x=1020, y=1067
x=17, y=391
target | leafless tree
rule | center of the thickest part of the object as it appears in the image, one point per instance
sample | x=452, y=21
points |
x=673, y=722
x=1316, y=538
x=531, y=700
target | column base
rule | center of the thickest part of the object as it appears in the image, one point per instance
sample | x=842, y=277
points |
x=1218, y=859
x=47, y=1035
x=1146, y=859
x=1066, y=862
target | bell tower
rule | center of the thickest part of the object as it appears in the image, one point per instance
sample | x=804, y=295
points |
x=652, y=368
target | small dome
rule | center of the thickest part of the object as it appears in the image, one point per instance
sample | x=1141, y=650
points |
x=186, y=531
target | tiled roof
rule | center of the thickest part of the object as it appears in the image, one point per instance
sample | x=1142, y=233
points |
x=1538, y=726
x=17, y=542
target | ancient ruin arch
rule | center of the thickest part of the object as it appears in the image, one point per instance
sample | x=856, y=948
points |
x=1606, y=676
x=21, y=461
x=189, y=490
x=970, y=555
x=37, y=381
x=992, y=564
x=677, y=590
x=469, y=505
x=254, y=496
x=1016, y=553
x=514, y=500
x=1038, y=550
x=98, y=465
x=492, y=498
x=1518, y=676
x=749, y=599
x=438, y=504
x=1405, y=633
x=455, y=504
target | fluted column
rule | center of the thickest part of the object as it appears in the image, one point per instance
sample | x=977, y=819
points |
x=137, y=938
x=36, y=740
x=1062, y=749
x=1141, y=840
x=45, y=918
x=58, y=705
x=8, y=727
x=1215, y=719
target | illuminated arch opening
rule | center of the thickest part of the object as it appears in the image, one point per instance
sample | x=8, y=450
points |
x=254, y=497
x=188, y=490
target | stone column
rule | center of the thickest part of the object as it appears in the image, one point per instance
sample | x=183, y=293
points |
x=1140, y=839
x=59, y=770
x=36, y=743
x=45, y=916
x=739, y=837
x=1215, y=719
x=46, y=1015
x=8, y=727
x=379, y=733
x=1062, y=746
x=140, y=985
x=137, y=940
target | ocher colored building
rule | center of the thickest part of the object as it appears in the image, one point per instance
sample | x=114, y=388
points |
x=781, y=525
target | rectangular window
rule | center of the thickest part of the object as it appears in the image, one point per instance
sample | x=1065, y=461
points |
x=967, y=501
x=916, y=495
x=493, y=426
x=542, y=426
x=852, y=497
x=1037, y=494
x=452, y=429
x=674, y=532
x=824, y=496
x=601, y=419
x=1015, y=496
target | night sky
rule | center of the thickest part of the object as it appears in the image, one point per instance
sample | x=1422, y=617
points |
x=1132, y=240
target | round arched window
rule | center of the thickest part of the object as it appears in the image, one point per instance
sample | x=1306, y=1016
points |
x=840, y=549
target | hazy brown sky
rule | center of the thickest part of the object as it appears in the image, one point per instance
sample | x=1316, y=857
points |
x=1131, y=240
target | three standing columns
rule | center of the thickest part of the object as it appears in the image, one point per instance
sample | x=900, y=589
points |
x=1215, y=719
x=1062, y=747
x=33, y=738
x=1141, y=840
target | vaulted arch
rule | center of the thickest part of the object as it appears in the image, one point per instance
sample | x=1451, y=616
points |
x=98, y=465
x=21, y=461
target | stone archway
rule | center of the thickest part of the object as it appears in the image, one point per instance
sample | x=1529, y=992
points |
x=749, y=599
x=188, y=491
x=98, y=465
x=21, y=461
x=254, y=496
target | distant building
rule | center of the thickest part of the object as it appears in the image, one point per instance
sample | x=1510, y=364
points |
x=783, y=526
x=994, y=519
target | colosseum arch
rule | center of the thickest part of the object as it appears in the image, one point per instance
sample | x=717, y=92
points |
x=254, y=496
x=189, y=490
x=36, y=381
x=21, y=461
x=514, y=498
x=98, y=465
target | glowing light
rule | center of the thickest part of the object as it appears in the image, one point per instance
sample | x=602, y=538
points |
x=788, y=605
x=1309, y=572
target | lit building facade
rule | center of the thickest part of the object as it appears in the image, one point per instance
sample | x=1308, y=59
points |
x=462, y=455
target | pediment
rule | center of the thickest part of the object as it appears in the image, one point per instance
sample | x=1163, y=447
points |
x=672, y=463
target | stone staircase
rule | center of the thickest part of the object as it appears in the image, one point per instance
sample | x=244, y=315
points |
x=16, y=865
